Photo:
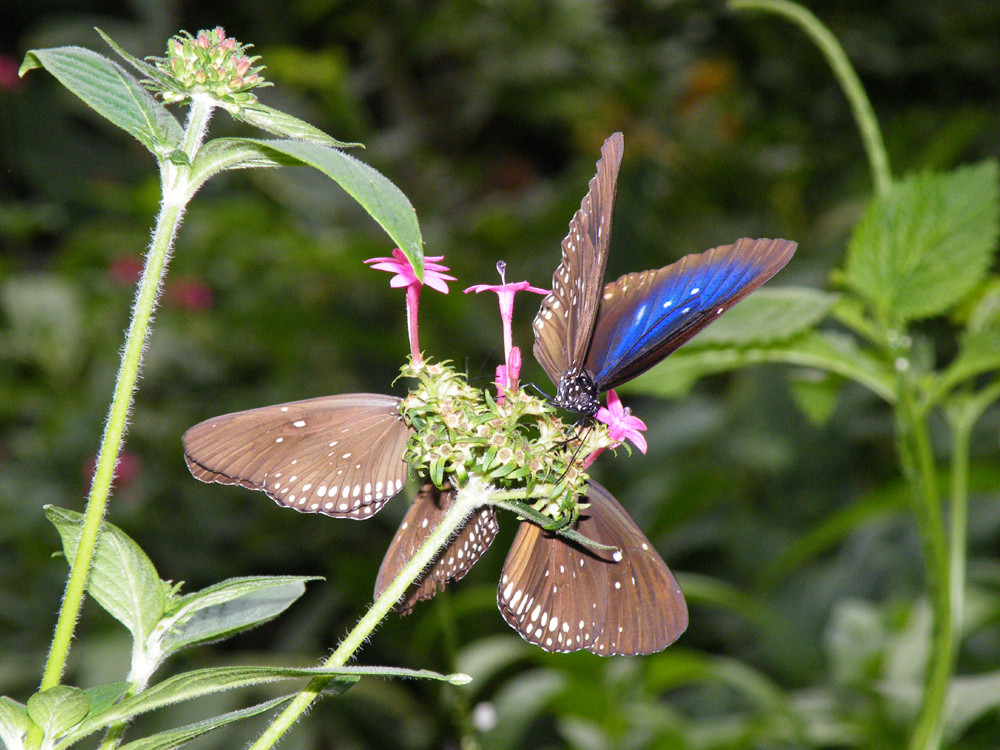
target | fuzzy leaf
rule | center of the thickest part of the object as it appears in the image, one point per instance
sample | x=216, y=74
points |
x=102, y=697
x=279, y=123
x=230, y=607
x=122, y=579
x=376, y=194
x=172, y=738
x=925, y=244
x=202, y=682
x=112, y=92
x=58, y=709
x=767, y=316
x=14, y=722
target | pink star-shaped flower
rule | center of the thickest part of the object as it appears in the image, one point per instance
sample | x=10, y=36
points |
x=622, y=425
x=434, y=277
x=505, y=292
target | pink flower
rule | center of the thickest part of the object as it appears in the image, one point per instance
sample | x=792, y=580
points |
x=506, y=294
x=8, y=74
x=621, y=424
x=434, y=277
x=190, y=294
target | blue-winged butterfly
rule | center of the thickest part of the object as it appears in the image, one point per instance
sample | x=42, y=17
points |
x=591, y=336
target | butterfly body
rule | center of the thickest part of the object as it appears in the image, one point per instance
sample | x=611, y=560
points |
x=591, y=337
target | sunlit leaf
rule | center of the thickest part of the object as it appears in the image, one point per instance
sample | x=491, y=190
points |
x=926, y=243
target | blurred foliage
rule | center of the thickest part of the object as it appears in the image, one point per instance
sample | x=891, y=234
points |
x=787, y=528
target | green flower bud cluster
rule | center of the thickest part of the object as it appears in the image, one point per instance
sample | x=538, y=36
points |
x=208, y=63
x=516, y=442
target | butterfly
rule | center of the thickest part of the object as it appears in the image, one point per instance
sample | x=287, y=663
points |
x=556, y=593
x=337, y=455
x=591, y=336
x=564, y=597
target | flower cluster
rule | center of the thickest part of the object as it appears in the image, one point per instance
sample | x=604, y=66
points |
x=210, y=63
x=518, y=442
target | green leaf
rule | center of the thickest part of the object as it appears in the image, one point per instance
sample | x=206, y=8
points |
x=767, y=316
x=122, y=579
x=114, y=94
x=925, y=244
x=979, y=353
x=376, y=194
x=821, y=350
x=202, y=682
x=285, y=125
x=229, y=607
x=221, y=154
x=102, y=697
x=816, y=394
x=181, y=735
x=58, y=709
x=14, y=722
x=969, y=698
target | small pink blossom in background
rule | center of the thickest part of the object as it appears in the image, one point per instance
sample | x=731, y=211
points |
x=127, y=469
x=434, y=277
x=189, y=293
x=8, y=74
x=126, y=270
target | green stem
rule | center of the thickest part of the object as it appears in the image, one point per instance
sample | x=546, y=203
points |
x=961, y=436
x=176, y=193
x=871, y=136
x=917, y=459
x=166, y=228
x=470, y=497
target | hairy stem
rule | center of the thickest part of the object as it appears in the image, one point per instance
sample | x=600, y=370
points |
x=176, y=194
x=827, y=43
x=470, y=497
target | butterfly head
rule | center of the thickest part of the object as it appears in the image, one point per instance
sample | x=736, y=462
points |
x=578, y=392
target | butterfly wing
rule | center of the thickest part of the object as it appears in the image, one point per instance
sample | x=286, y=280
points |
x=645, y=316
x=338, y=455
x=566, y=317
x=454, y=560
x=563, y=597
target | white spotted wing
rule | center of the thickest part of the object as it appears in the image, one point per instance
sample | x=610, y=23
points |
x=564, y=597
x=452, y=562
x=566, y=317
x=338, y=455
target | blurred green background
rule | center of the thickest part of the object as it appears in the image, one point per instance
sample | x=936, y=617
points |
x=790, y=537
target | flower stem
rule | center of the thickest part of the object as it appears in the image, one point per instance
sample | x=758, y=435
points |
x=467, y=499
x=871, y=136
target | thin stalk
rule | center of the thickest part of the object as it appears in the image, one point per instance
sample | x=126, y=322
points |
x=470, y=497
x=145, y=302
x=176, y=194
x=917, y=459
x=958, y=531
x=864, y=116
